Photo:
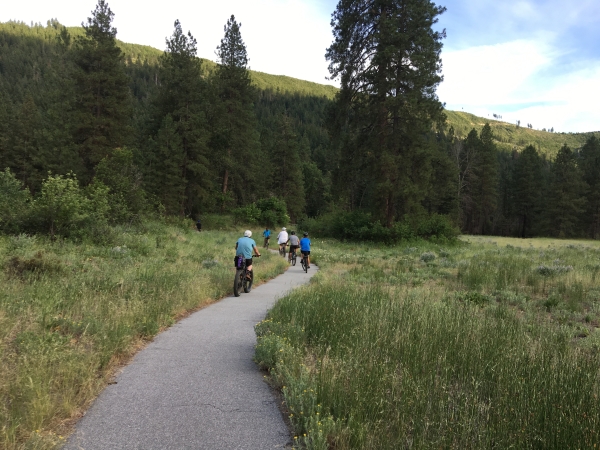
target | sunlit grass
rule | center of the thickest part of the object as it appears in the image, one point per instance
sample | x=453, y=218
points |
x=71, y=313
x=484, y=344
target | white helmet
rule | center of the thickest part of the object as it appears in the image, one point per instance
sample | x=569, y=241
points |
x=247, y=233
x=283, y=229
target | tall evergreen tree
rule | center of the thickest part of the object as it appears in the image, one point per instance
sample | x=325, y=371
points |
x=102, y=90
x=235, y=140
x=468, y=155
x=388, y=59
x=181, y=95
x=528, y=190
x=590, y=166
x=566, y=199
x=25, y=146
x=287, y=178
x=486, y=172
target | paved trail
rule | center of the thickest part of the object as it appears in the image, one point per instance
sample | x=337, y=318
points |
x=195, y=386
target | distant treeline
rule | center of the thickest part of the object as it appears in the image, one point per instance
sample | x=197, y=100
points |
x=168, y=133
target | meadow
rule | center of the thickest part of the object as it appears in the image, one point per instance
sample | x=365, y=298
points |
x=72, y=313
x=484, y=343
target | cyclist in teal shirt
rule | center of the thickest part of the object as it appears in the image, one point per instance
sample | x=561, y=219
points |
x=305, y=248
x=244, y=247
x=267, y=236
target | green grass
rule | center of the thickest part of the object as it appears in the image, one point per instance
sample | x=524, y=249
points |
x=422, y=346
x=70, y=314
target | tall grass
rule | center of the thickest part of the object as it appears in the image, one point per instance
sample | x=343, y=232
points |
x=394, y=348
x=71, y=313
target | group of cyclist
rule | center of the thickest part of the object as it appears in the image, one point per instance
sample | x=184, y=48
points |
x=246, y=246
x=283, y=239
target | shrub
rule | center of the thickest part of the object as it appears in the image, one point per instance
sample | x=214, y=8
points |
x=427, y=257
x=15, y=203
x=127, y=198
x=360, y=226
x=273, y=212
x=269, y=212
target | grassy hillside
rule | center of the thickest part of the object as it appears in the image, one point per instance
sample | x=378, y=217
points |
x=510, y=137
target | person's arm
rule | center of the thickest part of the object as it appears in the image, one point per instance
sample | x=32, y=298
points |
x=256, y=250
x=236, y=245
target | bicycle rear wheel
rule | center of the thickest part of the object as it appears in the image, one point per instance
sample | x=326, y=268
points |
x=248, y=282
x=238, y=282
x=294, y=259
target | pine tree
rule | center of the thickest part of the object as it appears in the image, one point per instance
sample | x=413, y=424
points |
x=181, y=95
x=288, y=182
x=590, y=166
x=102, y=90
x=164, y=175
x=235, y=140
x=25, y=147
x=486, y=172
x=566, y=199
x=388, y=59
x=528, y=189
x=468, y=158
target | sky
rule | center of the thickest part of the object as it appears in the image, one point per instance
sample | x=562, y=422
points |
x=536, y=61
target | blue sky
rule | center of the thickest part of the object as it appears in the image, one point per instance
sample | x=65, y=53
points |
x=533, y=61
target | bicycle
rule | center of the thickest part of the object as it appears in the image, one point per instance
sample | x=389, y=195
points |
x=293, y=257
x=304, y=263
x=243, y=277
x=266, y=244
x=282, y=250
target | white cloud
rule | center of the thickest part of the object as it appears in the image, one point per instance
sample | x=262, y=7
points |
x=490, y=74
x=519, y=81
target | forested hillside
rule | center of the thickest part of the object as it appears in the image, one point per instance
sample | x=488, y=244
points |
x=168, y=132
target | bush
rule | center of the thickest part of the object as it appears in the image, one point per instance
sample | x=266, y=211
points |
x=64, y=209
x=273, y=212
x=127, y=198
x=269, y=212
x=360, y=226
x=15, y=203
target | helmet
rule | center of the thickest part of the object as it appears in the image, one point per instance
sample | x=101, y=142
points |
x=248, y=233
x=293, y=232
x=283, y=229
x=306, y=233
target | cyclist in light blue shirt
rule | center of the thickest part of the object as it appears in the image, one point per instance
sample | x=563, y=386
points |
x=244, y=247
x=305, y=248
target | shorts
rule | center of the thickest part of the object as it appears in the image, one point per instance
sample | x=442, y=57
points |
x=294, y=247
x=248, y=261
x=306, y=253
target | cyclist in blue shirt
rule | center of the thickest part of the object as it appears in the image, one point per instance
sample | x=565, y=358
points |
x=305, y=248
x=267, y=236
x=244, y=247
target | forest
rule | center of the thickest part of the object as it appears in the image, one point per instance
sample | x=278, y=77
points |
x=95, y=132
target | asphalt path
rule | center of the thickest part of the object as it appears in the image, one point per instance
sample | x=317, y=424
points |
x=196, y=386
